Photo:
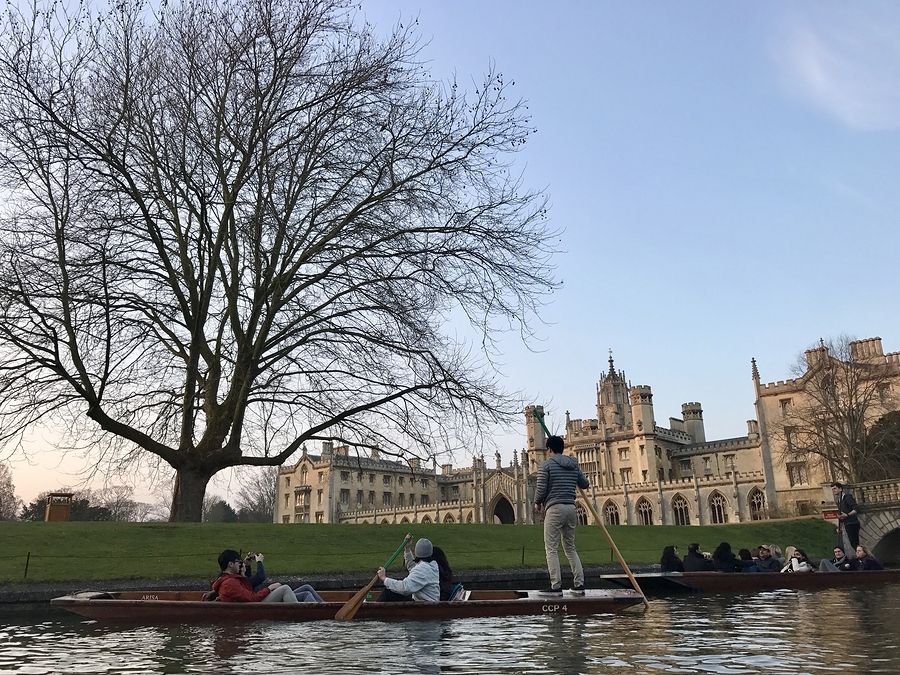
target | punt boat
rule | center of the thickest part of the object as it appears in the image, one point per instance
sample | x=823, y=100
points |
x=188, y=606
x=658, y=584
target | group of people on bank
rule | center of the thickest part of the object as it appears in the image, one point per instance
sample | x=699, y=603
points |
x=763, y=558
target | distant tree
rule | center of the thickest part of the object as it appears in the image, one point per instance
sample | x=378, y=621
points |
x=81, y=509
x=118, y=499
x=236, y=226
x=256, y=498
x=841, y=396
x=221, y=512
x=9, y=502
x=884, y=439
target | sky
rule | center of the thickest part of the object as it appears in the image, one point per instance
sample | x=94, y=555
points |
x=724, y=176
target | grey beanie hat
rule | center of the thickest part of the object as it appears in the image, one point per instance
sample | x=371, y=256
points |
x=424, y=549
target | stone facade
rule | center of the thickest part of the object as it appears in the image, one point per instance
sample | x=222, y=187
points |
x=640, y=471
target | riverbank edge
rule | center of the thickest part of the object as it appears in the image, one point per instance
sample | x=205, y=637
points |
x=526, y=578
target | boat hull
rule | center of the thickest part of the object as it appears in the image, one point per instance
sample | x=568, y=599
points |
x=187, y=607
x=750, y=582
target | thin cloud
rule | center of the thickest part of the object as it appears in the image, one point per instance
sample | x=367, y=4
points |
x=846, y=61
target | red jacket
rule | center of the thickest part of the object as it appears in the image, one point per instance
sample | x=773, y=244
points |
x=237, y=588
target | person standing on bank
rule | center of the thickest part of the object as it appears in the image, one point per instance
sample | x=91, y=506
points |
x=556, y=482
x=847, y=513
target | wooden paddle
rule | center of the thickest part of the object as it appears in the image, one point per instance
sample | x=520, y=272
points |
x=599, y=521
x=351, y=607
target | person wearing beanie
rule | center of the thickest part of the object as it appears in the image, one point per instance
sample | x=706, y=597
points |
x=423, y=580
x=232, y=586
x=556, y=482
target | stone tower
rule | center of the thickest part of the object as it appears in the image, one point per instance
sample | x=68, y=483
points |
x=693, y=421
x=537, y=439
x=613, y=409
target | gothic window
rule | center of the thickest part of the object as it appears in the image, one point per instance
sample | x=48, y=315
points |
x=387, y=480
x=685, y=466
x=345, y=497
x=626, y=476
x=386, y=499
x=304, y=474
x=681, y=510
x=345, y=476
x=718, y=508
x=611, y=513
x=581, y=514
x=645, y=511
x=426, y=519
x=401, y=498
x=449, y=518
x=287, y=481
x=623, y=454
x=757, y=501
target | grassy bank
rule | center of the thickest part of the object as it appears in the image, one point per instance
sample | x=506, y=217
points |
x=99, y=551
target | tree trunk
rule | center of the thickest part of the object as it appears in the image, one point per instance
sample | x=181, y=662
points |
x=187, y=498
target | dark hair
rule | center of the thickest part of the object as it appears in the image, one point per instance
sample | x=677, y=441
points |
x=445, y=574
x=668, y=554
x=802, y=553
x=693, y=548
x=841, y=549
x=227, y=556
x=744, y=554
x=555, y=444
x=837, y=485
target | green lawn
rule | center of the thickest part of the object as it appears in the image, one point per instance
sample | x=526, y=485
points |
x=97, y=551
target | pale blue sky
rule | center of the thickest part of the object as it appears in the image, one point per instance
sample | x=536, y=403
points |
x=725, y=175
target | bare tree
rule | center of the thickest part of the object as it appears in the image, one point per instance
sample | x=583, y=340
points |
x=235, y=227
x=9, y=502
x=842, y=394
x=256, y=499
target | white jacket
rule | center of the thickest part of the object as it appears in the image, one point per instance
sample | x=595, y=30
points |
x=797, y=566
x=423, y=581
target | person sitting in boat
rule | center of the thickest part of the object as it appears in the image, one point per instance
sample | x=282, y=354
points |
x=232, y=586
x=799, y=562
x=670, y=562
x=746, y=561
x=304, y=592
x=696, y=560
x=766, y=562
x=724, y=559
x=865, y=560
x=422, y=582
x=839, y=563
x=445, y=572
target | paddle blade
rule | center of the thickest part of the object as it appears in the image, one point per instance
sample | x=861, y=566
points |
x=351, y=607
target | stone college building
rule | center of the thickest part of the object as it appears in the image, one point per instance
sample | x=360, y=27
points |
x=640, y=471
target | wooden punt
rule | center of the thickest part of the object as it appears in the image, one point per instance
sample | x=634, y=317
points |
x=748, y=582
x=187, y=606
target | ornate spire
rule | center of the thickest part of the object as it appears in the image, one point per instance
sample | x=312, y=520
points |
x=755, y=369
x=612, y=368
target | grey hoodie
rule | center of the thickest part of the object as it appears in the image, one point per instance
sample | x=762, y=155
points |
x=557, y=479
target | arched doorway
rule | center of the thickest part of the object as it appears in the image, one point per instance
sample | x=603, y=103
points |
x=503, y=513
x=449, y=518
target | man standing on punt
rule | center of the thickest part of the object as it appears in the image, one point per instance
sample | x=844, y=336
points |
x=847, y=513
x=556, y=482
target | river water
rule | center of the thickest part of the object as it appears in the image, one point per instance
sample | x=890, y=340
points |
x=789, y=632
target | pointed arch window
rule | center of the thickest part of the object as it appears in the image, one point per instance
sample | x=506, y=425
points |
x=681, y=510
x=611, y=513
x=757, y=501
x=718, y=508
x=645, y=511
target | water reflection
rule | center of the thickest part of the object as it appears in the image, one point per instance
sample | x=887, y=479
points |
x=785, y=631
